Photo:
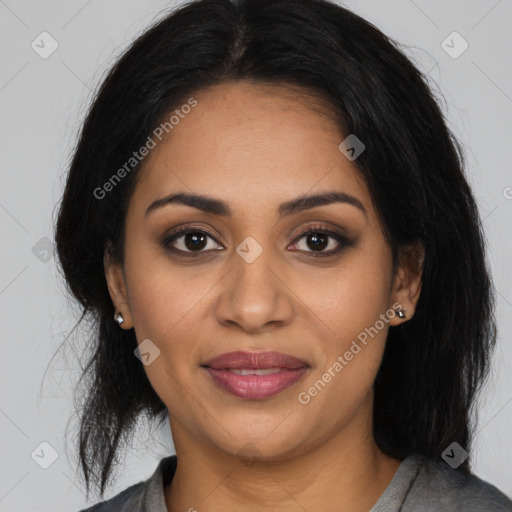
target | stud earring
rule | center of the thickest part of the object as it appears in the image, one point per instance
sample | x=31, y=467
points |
x=400, y=313
x=118, y=317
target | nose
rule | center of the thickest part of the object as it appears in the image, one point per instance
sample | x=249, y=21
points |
x=254, y=296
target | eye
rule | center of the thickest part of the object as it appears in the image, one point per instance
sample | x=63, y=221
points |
x=317, y=238
x=194, y=240
x=190, y=241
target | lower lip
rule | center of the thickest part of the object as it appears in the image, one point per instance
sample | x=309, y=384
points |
x=256, y=387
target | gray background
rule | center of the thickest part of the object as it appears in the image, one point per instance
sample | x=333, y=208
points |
x=42, y=104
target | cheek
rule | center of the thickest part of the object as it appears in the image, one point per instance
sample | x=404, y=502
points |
x=349, y=306
x=349, y=364
x=338, y=391
x=169, y=306
x=351, y=296
x=167, y=311
x=160, y=294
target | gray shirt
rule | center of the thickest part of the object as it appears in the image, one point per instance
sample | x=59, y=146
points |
x=419, y=485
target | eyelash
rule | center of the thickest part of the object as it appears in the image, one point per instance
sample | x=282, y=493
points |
x=178, y=233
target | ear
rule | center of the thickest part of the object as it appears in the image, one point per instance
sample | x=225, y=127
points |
x=407, y=280
x=114, y=276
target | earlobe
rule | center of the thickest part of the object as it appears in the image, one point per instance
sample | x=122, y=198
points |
x=408, y=281
x=117, y=289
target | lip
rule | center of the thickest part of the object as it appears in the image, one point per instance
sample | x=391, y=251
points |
x=255, y=360
x=255, y=387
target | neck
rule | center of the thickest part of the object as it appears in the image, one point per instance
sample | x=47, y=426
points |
x=347, y=472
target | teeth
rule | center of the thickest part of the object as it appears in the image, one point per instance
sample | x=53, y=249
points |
x=252, y=371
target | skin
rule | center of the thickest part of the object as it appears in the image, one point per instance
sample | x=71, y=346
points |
x=254, y=148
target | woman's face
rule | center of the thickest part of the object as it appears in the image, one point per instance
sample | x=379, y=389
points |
x=250, y=280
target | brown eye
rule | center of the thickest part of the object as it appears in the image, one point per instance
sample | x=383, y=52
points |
x=194, y=240
x=317, y=239
x=188, y=240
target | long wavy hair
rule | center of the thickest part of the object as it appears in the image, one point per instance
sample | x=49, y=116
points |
x=434, y=365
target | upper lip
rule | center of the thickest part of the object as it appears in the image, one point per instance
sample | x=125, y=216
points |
x=254, y=360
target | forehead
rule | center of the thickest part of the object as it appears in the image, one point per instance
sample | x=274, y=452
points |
x=249, y=143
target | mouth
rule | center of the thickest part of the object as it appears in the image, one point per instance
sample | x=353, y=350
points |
x=255, y=375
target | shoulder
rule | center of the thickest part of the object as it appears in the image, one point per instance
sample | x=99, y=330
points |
x=437, y=486
x=130, y=499
x=144, y=495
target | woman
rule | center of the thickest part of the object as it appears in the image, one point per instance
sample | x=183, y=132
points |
x=268, y=221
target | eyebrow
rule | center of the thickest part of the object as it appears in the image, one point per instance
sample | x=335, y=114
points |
x=218, y=207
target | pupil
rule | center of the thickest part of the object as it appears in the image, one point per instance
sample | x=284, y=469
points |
x=198, y=241
x=318, y=244
x=194, y=237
